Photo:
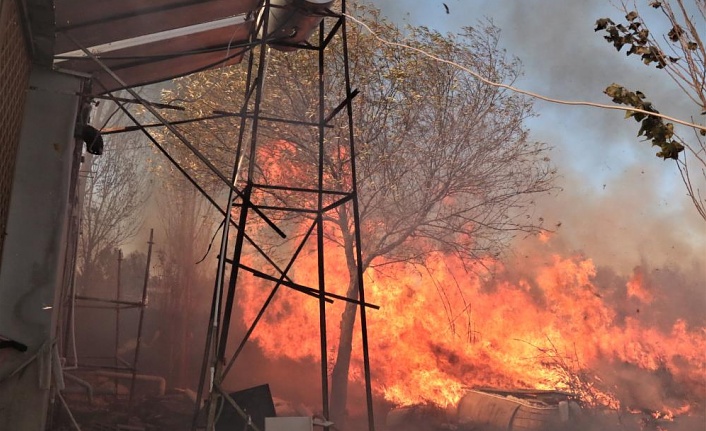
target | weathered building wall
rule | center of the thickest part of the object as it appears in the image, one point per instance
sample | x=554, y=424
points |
x=15, y=63
x=35, y=246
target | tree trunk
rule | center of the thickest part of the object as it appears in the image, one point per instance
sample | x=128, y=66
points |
x=339, y=374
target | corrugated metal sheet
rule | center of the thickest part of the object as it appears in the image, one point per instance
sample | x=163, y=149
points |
x=103, y=25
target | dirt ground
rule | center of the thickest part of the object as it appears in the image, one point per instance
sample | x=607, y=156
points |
x=170, y=412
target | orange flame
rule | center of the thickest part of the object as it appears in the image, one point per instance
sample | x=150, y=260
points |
x=636, y=288
x=443, y=328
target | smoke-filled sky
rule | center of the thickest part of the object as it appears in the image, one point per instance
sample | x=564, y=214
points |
x=619, y=203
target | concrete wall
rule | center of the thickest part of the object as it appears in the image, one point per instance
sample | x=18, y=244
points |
x=35, y=245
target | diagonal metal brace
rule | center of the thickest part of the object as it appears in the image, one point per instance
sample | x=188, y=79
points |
x=176, y=132
x=342, y=105
x=305, y=289
x=237, y=408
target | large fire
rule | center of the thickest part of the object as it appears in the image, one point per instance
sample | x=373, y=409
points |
x=547, y=324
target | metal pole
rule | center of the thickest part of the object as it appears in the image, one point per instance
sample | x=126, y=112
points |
x=320, y=234
x=235, y=269
x=220, y=346
x=141, y=321
x=117, y=315
x=356, y=223
x=216, y=115
x=267, y=301
x=214, y=316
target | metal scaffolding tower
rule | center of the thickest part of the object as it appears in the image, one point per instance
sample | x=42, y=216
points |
x=245, y=204
x=276, y=27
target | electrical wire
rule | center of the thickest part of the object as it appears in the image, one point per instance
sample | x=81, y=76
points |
x=515, y=89
x=210, y=244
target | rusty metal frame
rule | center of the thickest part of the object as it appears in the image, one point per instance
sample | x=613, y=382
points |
x=216, y=365
x=117, y=305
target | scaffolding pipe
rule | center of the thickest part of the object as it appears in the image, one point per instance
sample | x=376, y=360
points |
x=197, y=186
x=140, y=323
x=212, y=329
x=81, y=382
x=222, y=306
x=224, y=328
x=68, y=411
x=320, y=236
x=356, y=224
x=216, y=115
x=117, y=314
x=271, y=296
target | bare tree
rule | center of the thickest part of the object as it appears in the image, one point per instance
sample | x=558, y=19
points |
x=681, y=54
x=444, y=161
x=117, y=186
x=186, y=220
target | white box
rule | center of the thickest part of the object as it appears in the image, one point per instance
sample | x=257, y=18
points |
x=289, y=424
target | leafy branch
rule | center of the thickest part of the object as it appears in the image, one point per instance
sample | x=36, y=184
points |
x=637, y=36
x=653, y=128
x=679, y=51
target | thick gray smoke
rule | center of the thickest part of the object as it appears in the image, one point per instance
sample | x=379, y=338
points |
x=620, y=205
